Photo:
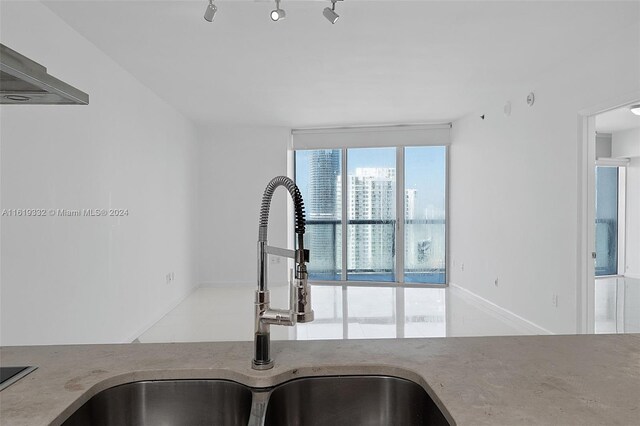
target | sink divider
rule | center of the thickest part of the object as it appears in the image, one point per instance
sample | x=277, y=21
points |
x=259, y=401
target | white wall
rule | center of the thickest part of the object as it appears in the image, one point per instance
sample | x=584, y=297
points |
x=84, y=279
x=603, y=145
x=236, y=163
x=514, y=185
x=626, y=143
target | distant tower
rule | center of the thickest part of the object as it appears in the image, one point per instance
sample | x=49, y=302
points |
x=410, y=204
x=324, y=169
x=412, y=253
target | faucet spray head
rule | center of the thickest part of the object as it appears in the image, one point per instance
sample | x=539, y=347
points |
x=304, y=312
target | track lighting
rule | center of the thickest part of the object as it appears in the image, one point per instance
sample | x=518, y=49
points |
x=635, y=109
x=330, y=13
x=278, y=14
x=210, y=12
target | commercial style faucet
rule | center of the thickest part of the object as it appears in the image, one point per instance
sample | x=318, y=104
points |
x=299, y=291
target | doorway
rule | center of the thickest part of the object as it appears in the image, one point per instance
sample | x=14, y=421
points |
x=613, y=224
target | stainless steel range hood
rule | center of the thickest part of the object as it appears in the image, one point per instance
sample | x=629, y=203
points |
x=23, y=81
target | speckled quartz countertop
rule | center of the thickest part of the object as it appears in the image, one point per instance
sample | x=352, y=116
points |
x=560, y=380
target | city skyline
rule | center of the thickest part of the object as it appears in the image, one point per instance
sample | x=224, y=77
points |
x=371, y=212
x=428, y=167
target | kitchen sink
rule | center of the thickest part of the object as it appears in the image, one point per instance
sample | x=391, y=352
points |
x=167, y=403
x=308, y=401
x=351, y=400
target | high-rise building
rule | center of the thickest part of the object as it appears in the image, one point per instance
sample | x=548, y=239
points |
x=412, y=255
x=323, y=208
x=410, y=203
x=371, y=194
x=324, y=169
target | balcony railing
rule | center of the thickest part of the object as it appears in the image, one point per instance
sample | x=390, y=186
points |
x=371, y=251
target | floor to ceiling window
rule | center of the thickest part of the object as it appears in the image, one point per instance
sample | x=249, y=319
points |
x=375, y=214
x=376, y=207
x=607, y=213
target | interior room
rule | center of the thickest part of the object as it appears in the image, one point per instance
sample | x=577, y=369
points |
x=458, y=219
x=617, y=255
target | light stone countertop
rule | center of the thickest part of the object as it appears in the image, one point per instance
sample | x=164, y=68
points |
x=523, y=380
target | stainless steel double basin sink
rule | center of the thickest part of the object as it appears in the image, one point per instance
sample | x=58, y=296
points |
x=330, y=401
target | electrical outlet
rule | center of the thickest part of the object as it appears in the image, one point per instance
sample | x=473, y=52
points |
x=170, y=277
x=554, y=300
x=462, y=266
x=275, y=260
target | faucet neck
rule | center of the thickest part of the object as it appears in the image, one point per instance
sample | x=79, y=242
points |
x=298, y=205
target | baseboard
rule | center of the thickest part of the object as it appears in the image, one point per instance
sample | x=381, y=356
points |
x=516, y=321
x=225, y=284
x=133, y=338
x=238, y=284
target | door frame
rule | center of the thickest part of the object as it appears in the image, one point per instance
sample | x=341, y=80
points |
x=585, y=291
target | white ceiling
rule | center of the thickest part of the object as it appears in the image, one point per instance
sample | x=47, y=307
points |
x=381, y=63
x=617, y=120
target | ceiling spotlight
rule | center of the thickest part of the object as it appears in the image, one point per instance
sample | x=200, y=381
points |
x=278, y=14
x=210, y=12
x=330, y=13
x=635, y=109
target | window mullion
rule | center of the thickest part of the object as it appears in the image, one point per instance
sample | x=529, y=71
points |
x=400, y=214
x=622, y=215
x=344, y=214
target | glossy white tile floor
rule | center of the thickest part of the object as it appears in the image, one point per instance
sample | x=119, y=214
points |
x=617, y=305
x=226, y=314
